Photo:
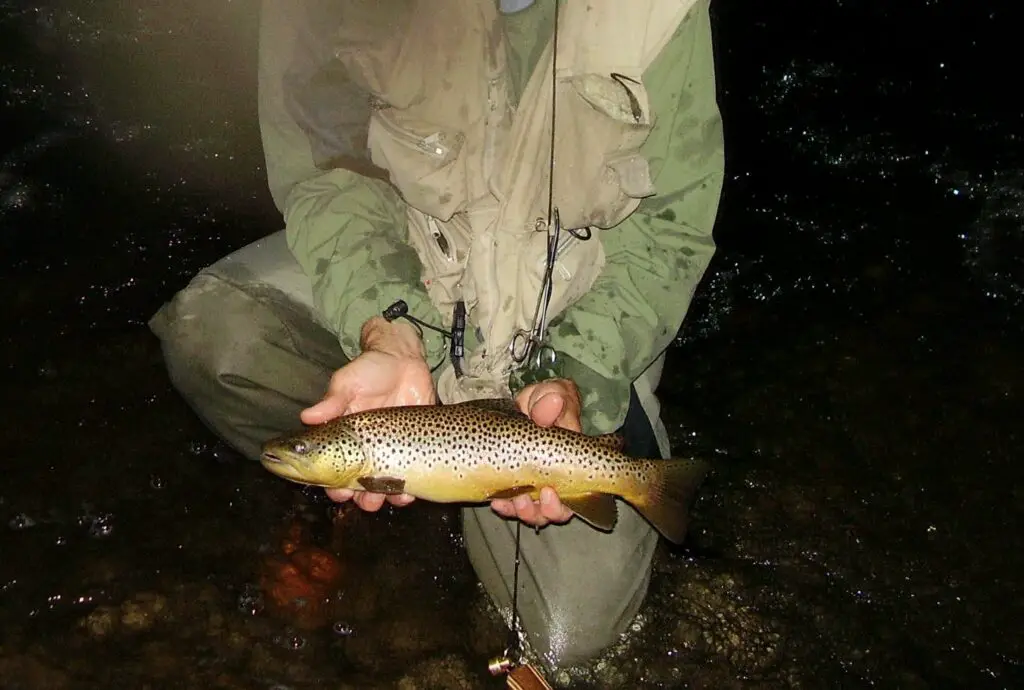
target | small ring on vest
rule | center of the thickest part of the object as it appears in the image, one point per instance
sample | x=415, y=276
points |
x=582, y=234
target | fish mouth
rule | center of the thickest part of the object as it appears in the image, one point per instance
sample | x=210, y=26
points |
x=282, y=467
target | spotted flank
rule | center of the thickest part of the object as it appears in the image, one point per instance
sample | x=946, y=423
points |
x=477, y=451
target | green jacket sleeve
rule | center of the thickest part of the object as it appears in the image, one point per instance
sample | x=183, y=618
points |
x=348, y=232
x=344, y=223
x=657, y=256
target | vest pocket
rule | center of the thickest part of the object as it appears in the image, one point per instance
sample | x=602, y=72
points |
x=422, y=160
x=605, y=121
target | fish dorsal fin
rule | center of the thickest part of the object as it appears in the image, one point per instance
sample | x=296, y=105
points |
x=505, y=406
x=616, y=441
x=598, y=510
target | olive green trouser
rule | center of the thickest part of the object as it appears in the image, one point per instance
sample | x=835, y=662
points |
x=245, y=347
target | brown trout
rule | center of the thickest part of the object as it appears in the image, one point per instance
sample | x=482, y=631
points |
x=481, y=450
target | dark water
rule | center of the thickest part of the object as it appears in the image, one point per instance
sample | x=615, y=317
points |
x=857, y=348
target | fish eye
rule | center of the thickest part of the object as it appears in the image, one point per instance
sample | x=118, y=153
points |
x=300, y=447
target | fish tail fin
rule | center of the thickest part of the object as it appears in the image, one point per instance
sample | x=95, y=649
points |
x=666, y=501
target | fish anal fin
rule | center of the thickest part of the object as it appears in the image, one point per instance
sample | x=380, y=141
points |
x=613, y=440
x=512, y=492
x=598, y=510
x=383, y=485
x=505, y=406
x=666, y=503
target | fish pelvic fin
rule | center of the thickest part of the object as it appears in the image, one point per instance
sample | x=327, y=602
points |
x=383, y=485
x=666, y=503
x=597, y=510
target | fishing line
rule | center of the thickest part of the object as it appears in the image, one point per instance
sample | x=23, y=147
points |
x=514, y=653
x=514, y=640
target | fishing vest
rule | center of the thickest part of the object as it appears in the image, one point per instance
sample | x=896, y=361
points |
x=474, y=168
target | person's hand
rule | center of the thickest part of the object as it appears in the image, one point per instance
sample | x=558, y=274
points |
x=550, y=403
x=390, y=371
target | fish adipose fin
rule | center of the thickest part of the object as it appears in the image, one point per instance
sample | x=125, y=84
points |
x=383, y=485
x=666, y=505
x=598, y=510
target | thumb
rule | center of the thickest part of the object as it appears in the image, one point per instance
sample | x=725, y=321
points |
x=547, y=407
x=329, y=408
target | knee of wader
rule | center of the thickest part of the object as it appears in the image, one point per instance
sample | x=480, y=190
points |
x=207, y=332
x=565, y=642
x=583, y=624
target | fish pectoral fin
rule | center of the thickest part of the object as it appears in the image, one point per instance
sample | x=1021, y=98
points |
x=383, y=485
x=505, y=406
x=598, y=510
x=512, y=492
x=613, y=440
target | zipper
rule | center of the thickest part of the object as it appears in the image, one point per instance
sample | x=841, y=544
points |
x=433, y=145
x=439, y=238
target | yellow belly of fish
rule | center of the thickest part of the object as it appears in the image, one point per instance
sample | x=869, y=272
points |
x=483, y=482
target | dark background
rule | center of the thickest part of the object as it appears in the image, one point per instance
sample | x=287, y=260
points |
x=857, y=341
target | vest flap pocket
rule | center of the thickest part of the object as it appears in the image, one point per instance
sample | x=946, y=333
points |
x=604, y=121
x=620, y=97
x=421, y=159
x=634, y=174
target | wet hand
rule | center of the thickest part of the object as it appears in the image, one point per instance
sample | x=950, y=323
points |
x=549, y=403
x=390, y=371
x=367, y=500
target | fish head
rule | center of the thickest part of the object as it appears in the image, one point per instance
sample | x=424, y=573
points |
x=329, y=455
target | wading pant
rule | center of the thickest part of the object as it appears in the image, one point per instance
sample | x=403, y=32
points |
x=245, y=347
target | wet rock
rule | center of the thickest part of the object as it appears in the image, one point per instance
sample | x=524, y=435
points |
x=101, y=622
x=137, y=614
x=408, y=638
x=262, y=662
x=610, y=675
x=446, y=673
x=379, y=645
x=715, y=620
x=235, y=641
x=143, y=611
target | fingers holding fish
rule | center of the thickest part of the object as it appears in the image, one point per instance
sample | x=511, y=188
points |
x=340, y=495
x=389, y=371
x=549, y=509
x=369, y=501
x=370, y=381
x=555, y=402
x=340, y=392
